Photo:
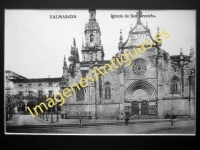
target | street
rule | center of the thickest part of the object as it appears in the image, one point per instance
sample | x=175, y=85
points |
x=27, y=124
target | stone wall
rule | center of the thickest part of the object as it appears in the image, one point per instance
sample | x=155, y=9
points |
x=178, y=106
x=99, y=110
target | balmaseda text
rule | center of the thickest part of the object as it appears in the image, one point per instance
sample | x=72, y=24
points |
x=62, y=16
x=123, y=59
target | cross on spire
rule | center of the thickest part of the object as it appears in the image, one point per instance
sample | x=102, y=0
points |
x=139, y=14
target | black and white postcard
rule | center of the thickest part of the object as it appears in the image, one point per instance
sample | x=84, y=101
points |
x=100, y=72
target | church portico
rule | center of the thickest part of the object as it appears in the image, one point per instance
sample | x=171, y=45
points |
x=140, y=97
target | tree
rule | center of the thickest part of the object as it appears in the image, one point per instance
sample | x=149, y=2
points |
x=12, y=101
x=39, y=99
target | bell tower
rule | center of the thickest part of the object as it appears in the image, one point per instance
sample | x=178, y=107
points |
x=93, y=50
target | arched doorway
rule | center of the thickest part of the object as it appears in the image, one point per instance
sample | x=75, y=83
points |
x=145, y=95
x=21, y=106
x=144, y=107
x=134, y=108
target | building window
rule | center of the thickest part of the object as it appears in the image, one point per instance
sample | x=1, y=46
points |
x=50, y=93
x=20, y=93
x=20, y=85
x=39, y=93
x=6, y=77
x=39, y=85
x=175, y=85
x=80, y=94
x=84, y=72
x=107, y=88
x=30, y=93
x=50, y=84
x=29, y=85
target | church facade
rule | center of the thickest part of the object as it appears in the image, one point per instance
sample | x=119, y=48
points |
x=154, y=84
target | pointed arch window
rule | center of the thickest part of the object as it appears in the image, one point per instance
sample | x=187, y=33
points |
x=80, y=94
x=107, y=90
x=175, y=85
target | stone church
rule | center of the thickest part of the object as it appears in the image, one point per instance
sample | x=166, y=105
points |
x=153, y=85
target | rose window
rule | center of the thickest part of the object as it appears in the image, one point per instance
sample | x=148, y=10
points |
x=139, y=67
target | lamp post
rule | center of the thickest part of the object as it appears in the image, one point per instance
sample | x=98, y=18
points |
x=172, y=115
x=189, y=96
x=51, y=116
x=57, y=111
x=46, y=114
x=65, y=113
x=43, y=115
x=95, y=102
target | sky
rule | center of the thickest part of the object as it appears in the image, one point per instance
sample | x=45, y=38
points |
x=35, y=44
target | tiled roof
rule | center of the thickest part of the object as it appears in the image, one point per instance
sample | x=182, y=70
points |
x=14, y=74
x=177, y=57
x=37, y=80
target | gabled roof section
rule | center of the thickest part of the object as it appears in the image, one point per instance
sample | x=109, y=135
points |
x=37, y=80
x=138, y=34
x=15, y=74
x=177, y=57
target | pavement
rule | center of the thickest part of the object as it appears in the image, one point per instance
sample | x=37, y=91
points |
x=27, y=124
x=19, y=120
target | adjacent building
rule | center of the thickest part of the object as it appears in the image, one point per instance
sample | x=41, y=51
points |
x=31, y=89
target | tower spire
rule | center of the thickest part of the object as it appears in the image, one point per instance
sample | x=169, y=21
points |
x=65, y=63
x=74, y=42
x=92, y=14
x=92, y=38
x=181, y=51
x=192, y=51
x=158, y=33
x=121, y=38
x=65, y=77
x=82, y=43
x=139, y=14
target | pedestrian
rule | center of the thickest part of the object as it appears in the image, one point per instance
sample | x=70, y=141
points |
x=127, y=119
x=167, y=115
x=121, y=116
x=80, y=124
x=173, y=120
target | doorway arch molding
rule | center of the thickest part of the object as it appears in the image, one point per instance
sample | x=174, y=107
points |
x=144, y=85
